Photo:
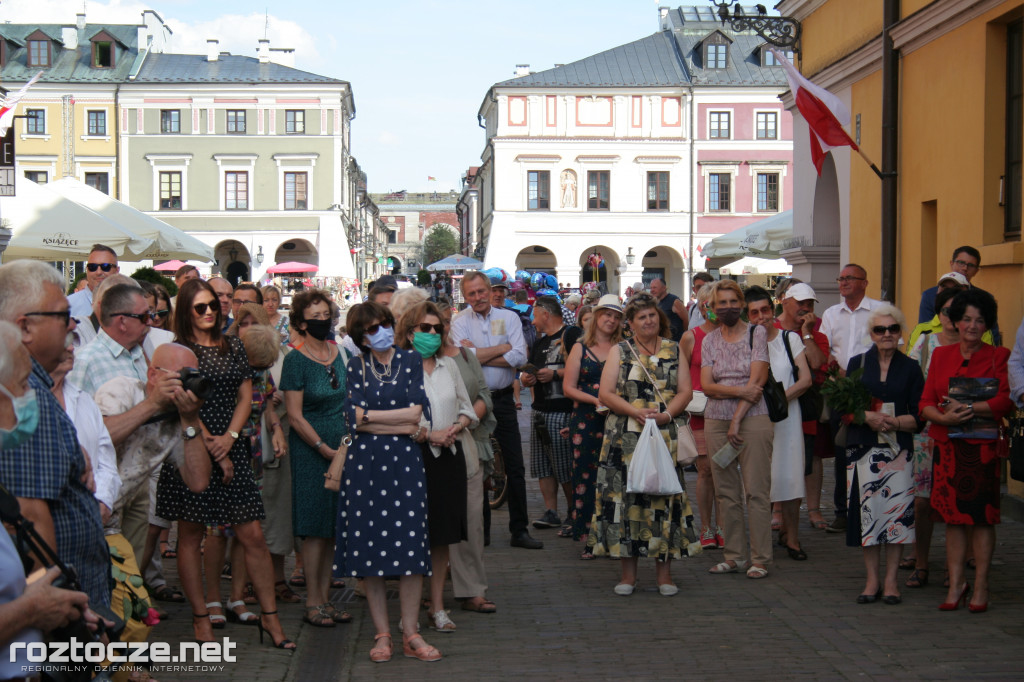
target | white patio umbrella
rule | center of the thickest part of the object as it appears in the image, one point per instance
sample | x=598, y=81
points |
x=763, y=238
x=167, y=241
x=456, y=261
x=48, y=226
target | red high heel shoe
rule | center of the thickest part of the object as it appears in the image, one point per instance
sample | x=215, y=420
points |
x=955, y=604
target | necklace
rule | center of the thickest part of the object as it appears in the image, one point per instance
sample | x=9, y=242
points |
x=643, y=347
x=383, y=376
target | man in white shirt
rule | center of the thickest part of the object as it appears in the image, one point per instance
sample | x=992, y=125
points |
x=846, y=326
x=495, y=335
x=101, y=264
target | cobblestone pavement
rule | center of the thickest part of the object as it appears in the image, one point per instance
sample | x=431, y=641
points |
x=559, y=619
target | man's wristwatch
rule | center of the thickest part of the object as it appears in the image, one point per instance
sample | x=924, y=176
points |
x=233, y=434
x=189, y=433
x=807, y=337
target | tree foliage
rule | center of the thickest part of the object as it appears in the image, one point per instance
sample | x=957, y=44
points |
x=151, y=275
x=440, y=242
x=423, y=278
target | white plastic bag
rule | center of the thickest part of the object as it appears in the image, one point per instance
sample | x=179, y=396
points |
x=652, y=470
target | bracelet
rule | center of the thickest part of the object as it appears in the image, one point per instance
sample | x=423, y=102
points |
x=317, y=445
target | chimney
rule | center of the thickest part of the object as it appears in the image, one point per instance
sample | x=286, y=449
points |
x=80, y=20
x=285, y=56
x=522, y=70
x=212, y=49
x=263, y=51
x=663, y=22
x=69, y=36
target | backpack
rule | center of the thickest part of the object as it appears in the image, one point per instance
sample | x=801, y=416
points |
x=529, y=331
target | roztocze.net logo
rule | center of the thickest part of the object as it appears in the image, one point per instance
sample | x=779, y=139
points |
x=60, y=239
x=60, y=655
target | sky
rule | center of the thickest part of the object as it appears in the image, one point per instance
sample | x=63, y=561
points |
x=419, y=69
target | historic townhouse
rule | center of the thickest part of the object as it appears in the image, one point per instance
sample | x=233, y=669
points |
x=640, y=154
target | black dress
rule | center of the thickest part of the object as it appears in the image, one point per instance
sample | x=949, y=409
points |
x=238, y=501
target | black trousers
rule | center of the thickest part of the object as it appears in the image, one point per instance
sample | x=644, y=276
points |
x=839, y=496
x=507, y=435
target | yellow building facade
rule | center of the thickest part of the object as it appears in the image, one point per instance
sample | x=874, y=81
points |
x=959, y=146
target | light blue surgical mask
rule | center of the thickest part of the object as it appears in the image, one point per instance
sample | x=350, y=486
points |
x=26, y=411
x=383, y=339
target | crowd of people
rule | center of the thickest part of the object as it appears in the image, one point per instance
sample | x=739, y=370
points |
x=365, y=448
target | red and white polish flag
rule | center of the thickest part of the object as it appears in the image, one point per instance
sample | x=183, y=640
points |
x=9, y=103
x=824, y=112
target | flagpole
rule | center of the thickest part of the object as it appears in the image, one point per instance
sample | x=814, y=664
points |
x=871, y=163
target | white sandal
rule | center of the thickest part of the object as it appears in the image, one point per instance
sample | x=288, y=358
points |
x=217, y=620
x=246, y=617
x=726, y=567
x=442, y=623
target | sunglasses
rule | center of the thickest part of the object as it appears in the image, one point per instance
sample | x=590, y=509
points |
x=141, y=317
x=945, y=311
x=892, y=329
x=161, y=313
x=64, y=315
x=335, y=384
x=374, y=328
x=201, y=308
x=427, y=328
x=105, y=267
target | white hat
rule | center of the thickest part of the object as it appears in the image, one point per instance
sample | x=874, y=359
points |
x=608, y=302
x=801, y=292
x=956, y=277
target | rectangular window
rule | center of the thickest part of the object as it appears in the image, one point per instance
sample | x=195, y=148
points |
x=768, y=192
x=39, y=177
x=295, y=121
x=539, y=190
x=767, y=125
x=97, y=123
x=98, y=181
x=392, y=236
x=35, y=121
x=718, y=191
x=236, y=190
x=598, y=185
x=657, y=191
x=170, y=121
x=39, y=53
x=236, y=120
x=770, y=60
x=102, y=54
x=1014, y=128
x=170, y=190
x=719, y=128
x=295, y=191
x=717, y=56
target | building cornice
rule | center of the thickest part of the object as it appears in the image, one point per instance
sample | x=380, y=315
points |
x=936, y=20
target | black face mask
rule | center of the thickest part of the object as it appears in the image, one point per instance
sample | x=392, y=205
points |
x=318, y=329
x=728, y=316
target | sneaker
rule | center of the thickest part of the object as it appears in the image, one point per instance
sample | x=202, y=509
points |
x=719, y=540
x=549, y=520
x=837, y=526
x=707, y=539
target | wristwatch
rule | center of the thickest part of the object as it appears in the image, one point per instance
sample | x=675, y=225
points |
x=807, y=337
x=189, y=433
x=233, y=434
x=366, y=416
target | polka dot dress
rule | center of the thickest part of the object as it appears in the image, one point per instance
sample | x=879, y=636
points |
x=382, y=514
x=238, y=501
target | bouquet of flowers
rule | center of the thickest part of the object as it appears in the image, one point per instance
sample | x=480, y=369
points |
x=846, y=395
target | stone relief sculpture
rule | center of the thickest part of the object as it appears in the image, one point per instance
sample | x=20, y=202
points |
x=568, y=179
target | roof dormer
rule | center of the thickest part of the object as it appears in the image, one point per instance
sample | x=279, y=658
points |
x=714, y=50
x=104, y=51
x=768, y=59
x=40, y=49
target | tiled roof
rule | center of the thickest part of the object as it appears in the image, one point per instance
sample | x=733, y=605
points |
x=194, y=68
x=671, y=57
x=68, y=65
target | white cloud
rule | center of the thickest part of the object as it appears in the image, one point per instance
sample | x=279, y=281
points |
x=388, y=138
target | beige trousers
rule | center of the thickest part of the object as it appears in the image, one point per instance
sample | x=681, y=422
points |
x=469, y=579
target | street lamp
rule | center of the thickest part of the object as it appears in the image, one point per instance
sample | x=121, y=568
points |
x=233, y=254
x=779, y=31
x=630, y=256
x=5, y=236
x=259, y=257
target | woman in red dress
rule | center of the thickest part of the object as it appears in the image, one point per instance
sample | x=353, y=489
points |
x=965, y=483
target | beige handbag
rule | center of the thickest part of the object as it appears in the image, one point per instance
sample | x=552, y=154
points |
x=332, y=479
x=686, y=444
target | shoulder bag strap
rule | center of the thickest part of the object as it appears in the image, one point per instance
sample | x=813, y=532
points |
x=649, y=377
x=785, y=342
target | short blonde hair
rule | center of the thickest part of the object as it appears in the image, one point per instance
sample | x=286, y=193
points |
x=262, y=345
x=403, y=299
x=704, y=293
x=887, y=310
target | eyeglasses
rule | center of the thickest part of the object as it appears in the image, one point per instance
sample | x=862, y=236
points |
x=374, y=328
x=965, y=265
x=335, y=384
x=238, y=301
x=65, y=315
x=105, y=267
x=201, y=308
x=141, y=317
x=892, y=329
x=945, y=311
x=848, y=278
x=161, y=313
x=426, y=328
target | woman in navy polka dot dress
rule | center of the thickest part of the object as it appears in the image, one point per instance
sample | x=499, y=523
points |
x=382, y=513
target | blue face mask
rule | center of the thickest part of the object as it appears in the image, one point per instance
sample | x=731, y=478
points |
x=26, y=411
x=383, y=339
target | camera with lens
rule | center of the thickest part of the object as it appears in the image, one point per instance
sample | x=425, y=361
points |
x=192, y=380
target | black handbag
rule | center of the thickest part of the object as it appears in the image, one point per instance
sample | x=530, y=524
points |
x=811, y=401
x=1016, y=438
x=774, y=394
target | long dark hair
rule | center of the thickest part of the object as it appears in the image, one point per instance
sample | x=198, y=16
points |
x=184, y=332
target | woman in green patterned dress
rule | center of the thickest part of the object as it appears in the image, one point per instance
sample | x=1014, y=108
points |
x=628, y=526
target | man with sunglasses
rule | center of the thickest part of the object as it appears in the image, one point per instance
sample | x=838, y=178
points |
x=101, y=264
x=48, y=472
x=846, y=326
x=117, y=349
